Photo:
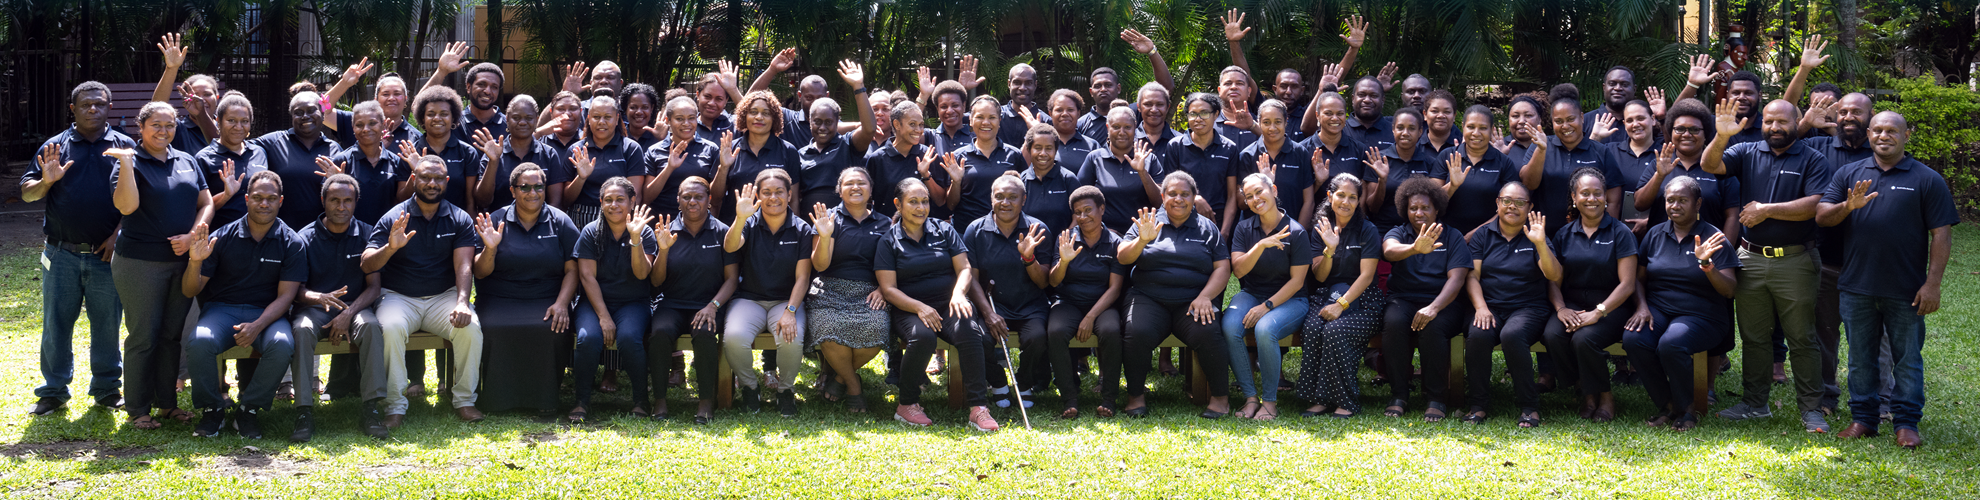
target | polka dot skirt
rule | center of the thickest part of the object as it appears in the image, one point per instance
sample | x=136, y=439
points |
x=1332, y=349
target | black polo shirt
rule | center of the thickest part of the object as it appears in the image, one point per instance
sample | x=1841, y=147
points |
x=996, y=259
x=1838, y=155
x=614, y=259
x=1672, y=280
x=302, y=189
x=1509, y=270
x=769, y=257
x=1344, y=158
x=1380, y=134
x=1121, y=184
x=168, y=205
x=1477, y=200
x=700, y=160
x=695, y=265
x=1359, y=241
x=463, y=161
x=1632, y=165
x=1210, y=166
x=1620, y=136
x=1769, y=178
x=1239, y=136
x=1751, y=133
x=923, y=269
x=797, y=127
x=497, y=126
x=775, y=154
x=1588, y=263
x=646, y=139
x=378, y=183
x=188, y=138
x=1274, y=267
x=425, y=266
x=1887, y=249
x=213, y=160
x=889, y=167
x=948, y=141
x=724, y=123
x=981, y=169
x=1011, y=127
x=1520, y=153
x=1177, y=264
x=556, y=170
x=621, y=157
x=1420, y=278
x=1049, y=198
x=1421, y=164
x=1156, y=142
x=335, y=259
x=854, y=243
x=819, y=166
x=1091, y=271
x=1443, y=150
x=1292, y=172
x=1093, y=124
x=76, y=211
x=244, y=271
x=530, y=263
x=1555, y=198
x=1716, y=194
x=346, y=133
x=1073, y=153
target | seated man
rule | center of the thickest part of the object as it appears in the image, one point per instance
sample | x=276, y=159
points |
x=334, y=249
x=255, y=265
x=425, y=248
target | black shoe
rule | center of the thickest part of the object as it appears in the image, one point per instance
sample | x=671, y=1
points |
x=46, y=406
x=751, y=399
x=111, y=400
x=305, y=424
x=1141, y=412
x=210, y=422
x=1212, y=415
x=248, y=422
x=787, y=403
x=374, y=420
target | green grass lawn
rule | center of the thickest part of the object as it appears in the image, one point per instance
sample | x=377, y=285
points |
x=825, y=452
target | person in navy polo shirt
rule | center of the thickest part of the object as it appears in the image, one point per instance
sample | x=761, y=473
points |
x=163, y=197
x=1398, y=163
x=1782, y=181
x=757, y=149
x=1431, y=266
x=1049, y=183
x=1849, y=142
x=230, y=159
x=1339, y=152
x=774, y=249
x=1638, y=153
x=923, y=269
x=1901, y=213
x=336, y=305
x=694, y=276
x=1181, y=265
x=1152, y=103
x=1477, y=171
x=1686, y=278
x=1126, y=172
x=377, y=167
x=525, y=277
x=292, y=154
x=1088, y=282
x=390, y=92
x=827, y=152
x=1270, y=253
x=1009, y=250
x=1104, y=85
x=906, y=156
x=438, y=110
x=1063, y=114
x=1521, y=144
x=614, y=256
x=1343, y=309
x=676, y=157
x=978, y=164
x=1288, y=161
x=1591, y=300
x=602, y=155
x=424, y=249
x=1207, y=156
x=845, y=312
x=1570, y=148
x=245, y=276
x=201, y=92
x=1013, y=116
x=1368, y=126
x=1512, y=265
x=519, y=147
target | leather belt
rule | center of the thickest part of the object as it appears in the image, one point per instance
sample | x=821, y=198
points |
x=1772, y=252
x=73, y=247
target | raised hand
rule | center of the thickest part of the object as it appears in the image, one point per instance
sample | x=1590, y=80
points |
x=1263, y=165
x=490, y=146
x=1138, y=41
x=581, y=161
x=1238, y=115
x=1705, y=248
x=852, y=74
x=1458, y=169
x=640, y=218
x=195, y=106
x=924, y=79
x=201, y=245
x=783, y=60
x=400, y=237
x=1068, y=244
x=408, y=151
x=52, y=166
x=489, y=230
x=1727, y=119
x=822, y=220
x=677, y=154
x=1321, y=169
x=229, y=183
x=326, y=168
x=1822, y=111
x=726, y=151
x=1861, y=193
x=454, y=58
x=1148, y=224
x=175, y=54
x=1811, y=52
x=355, y=71
x=1426, y=241
x=1605, y=125
x=663, y=238
x=1276, y=240
x=1655, y=96
x=1533, y=132
x=726, y=73
x=1329, y=234
x=1234, y=29
x=746, y=204
x=1387, y=77
x=927, y=160
x=1700, y=73
x=574, y=77
x=1357, y=31
x=124, y=156
x=967, y=75
x=1536, y=228
x=954, y=165
x=1028, y=245
x=1139, y=162
x=1030, y=119
x=1377, y=161
x=1499, y=140
x=1329, y=75
x=1667, y=158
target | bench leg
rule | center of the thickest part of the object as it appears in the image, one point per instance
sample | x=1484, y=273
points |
x=954, y=379
x=1454, y=379
x=725, y=384
x=1199, y=386
x=1700, y=383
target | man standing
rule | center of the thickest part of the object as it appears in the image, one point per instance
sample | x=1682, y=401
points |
x=429, y=240
x=334, y=246
x=1848, y=144
x=1023, y=85
x=1618, y=88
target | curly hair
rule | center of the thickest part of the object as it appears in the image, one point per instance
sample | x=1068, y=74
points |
x=1421, y=186
x=776, y=122
x=437, y=94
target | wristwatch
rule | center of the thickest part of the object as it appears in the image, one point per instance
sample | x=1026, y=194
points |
x=1269, y=305
x=790, y=308
x=1343, y=301
x=716, y=303
x=1602, y=310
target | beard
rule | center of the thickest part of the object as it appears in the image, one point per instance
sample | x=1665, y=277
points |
x=1779, y=141
x=435, y=198
x=1857, y=136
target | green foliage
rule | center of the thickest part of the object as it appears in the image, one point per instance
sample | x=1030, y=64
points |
x=1945, y=123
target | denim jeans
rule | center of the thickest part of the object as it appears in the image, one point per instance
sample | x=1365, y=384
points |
x=1281, y=322
x=1869, y=320
x=630, y=321
x=70, y=279
x=215, y=334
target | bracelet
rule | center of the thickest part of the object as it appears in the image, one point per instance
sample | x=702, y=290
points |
x=860, y=90
x=1689, y=85
x=1028, y=260
x=716, y=303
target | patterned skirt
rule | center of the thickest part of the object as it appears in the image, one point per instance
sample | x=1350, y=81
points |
x=836, y=310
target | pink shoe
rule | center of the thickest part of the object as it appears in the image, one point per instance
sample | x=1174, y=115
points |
x=979, y=419
x=912, y=415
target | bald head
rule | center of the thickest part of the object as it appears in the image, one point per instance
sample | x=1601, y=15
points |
x=1023, y=83
x=1779, y=124
x=1889, y=133
x=810, y=89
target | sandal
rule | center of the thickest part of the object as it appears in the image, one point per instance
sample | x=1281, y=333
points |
x=1658, y=421
x=1434, y=413
x=1685, y=423
x=640, y=412
x=144, y=422
x=1475, y=418
x=1265, y=414
x=1602, y=415
x=1395, y=408
x=1250, y=408
x=1529, y=419
x=855, y=403
x=576, y=416
x=176, y=414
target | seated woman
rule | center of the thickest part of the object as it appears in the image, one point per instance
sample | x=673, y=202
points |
x=1181, y=265
x=614, y=256
x=1684, y=290
x=1512, y=267
x=1089, y=282
x=921, y=263
x=1008, y=250
x=848, y=315
x=1430, y=269
x=245, y=276
x=773, y=248
x=1343, y=310
x=1591, y=301
x=1270, y=253
x=694, y=277
x=525, y=280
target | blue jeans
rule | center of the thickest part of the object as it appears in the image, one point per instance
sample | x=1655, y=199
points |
x=1281, y=322
x=68, y=281
x=215, y=334
x=631, y=321
x=1869, y=320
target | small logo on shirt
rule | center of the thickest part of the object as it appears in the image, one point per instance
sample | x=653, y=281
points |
x=1048, y=191
x=1897, y=188
x=1355, y=247
x=1488, y=171
x=1518, y=250
x=1199, y=242
x=1585, y=162
x=1439, y=250
x=271, y=261
x=1791, y=172
x=1598, y=242
x=444, y=235
x=787, y=243
x=547, y=236
x=1220, y=157
x=183, y=171
x=358, y=255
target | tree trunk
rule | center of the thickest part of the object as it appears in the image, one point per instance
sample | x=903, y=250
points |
x=494, y=24
x=419, y=42
x=1846, y=22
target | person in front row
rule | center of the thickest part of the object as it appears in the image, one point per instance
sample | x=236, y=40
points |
x=1089, y=282
x=424, y=249
x=1685, y=282
x=525, y=280
x=336, y=301
x=614, y=256
x=1511, y=268
x=1591, y=301
x=1270, y=254
x=923, y=270
x=245, y=276
x=1343, y=309
x=1181, y=265
x=1432, y=264
x=694, y=277
x=773, y=247
x=1009, y=250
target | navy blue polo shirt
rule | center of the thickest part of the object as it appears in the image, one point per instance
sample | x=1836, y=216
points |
x=695, y=265
x=1380, y=134
x=854, y=243
x=1091, y=271
x=1621, y=136
x=1769, y=178
x=1672, y=280
x=1274, y=266
x=188, y=138
x=463, y=161
x=425, y=266
x=769, y=257
x=1156, y=142
x=335, y=259
x=1751, y=133
x=1631, y=164
x=1887, y=250
x=797, y=128
x=1477, y=200
x=923, y=269
x=700, y=160
x=1420, y=164
x=1292, y=173
x=1237, y=135
x=948, y=141
x=724, y=123
x=556, y=170
x=1588, y=263
x=497, y=126
x=529, y=265
x=1210, y=166
x=646, y=139
x=1420, y=278
x=819, y=166
x=378, y=183
x=1049, y=198
x=1177, y=264
x=996, y=259
x=244, y=271
x=981, y=169
x=302, y=189
x=77, y=211
x=1118, y=180
x=213, y=160
x=1509, y=269
x=168, y=205
x=1520, y=153
x=775, y=153
x=1011, y=127
x=1093, y=124
x=1555, y=197
x=1344, y=158
x=1716, y=194
x=346, y=133
x=621, y=157
x=1838, y=155
x=1359, y=240
x=1073, y=153
x=889, y=167
x=614, y=260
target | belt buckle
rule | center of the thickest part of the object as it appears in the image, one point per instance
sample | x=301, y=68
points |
x=1773, y=252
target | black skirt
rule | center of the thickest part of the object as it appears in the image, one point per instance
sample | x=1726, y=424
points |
x=520, y=366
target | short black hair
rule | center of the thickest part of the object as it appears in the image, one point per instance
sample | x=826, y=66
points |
x=1694, y=108
x=440, y=94
x=486, y=67
x=86, y=87
x=1828, y=88
x=1625, y=69
x=1422, y=186
x=1744, y=76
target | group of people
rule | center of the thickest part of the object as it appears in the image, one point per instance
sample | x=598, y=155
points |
x=607, y=227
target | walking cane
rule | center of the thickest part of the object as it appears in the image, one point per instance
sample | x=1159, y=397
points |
x=989, y=295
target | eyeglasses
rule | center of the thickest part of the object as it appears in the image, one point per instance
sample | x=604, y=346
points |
x=1513, y=202
x=1201, y=114
x=1687, y=130
x=529, y=188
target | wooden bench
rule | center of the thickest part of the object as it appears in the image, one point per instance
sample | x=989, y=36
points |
x=126, y=99
x=418, y=341
x=1700, y=381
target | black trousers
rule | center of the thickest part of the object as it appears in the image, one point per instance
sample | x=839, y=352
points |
x=1032, y=347
x=669, y=324
x=1517, y=330
x=1149, y=321
x=961, y=331
x=1061, y=327
x=1584, y=358
x=1433, y=341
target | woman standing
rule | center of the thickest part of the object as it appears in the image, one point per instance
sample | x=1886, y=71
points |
x=1686, y=282
x=438, y=109
x=1430, y=268
x=230, y=159
x=162, y=197
x=1124, y=171
x=525, y=280
x=1049, y=183
x=563, y=125
x=602, y=155
x=905, y=157
x=774, y=248
x=1288, y=163
x=1439, y=109
x=821, y=161
x=980, y=163
x=1343, y=310
x=1181, y=266
x=677, y=157
x=1407, y=159
x=1089, y=282
x=921, y=263
x=640, y=105
x=1591, y=302
x=695, y=277
x=1207, y=156
x=758, y=149
x=1064, y=108
x=1512, y=267
x=1271, y=299
x=1571, y=149
x=614, y=256
x=848, y=312
x=1478, y=170
x=518, y=147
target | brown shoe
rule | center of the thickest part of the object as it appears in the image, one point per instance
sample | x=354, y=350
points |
x=394, y=421
x=1909, y=439
x=468, y=414
x=1856, y=430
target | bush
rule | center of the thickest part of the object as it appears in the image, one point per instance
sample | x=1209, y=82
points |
x=1946, y=132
